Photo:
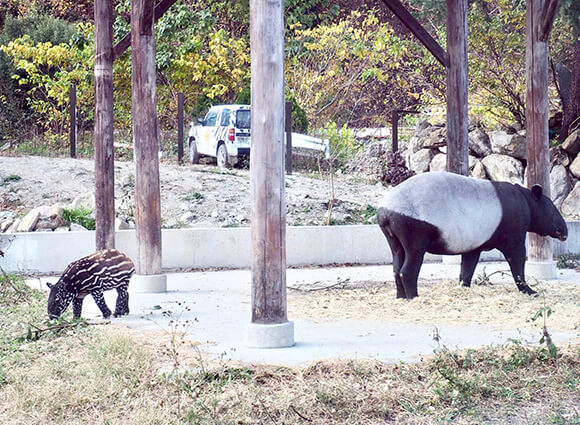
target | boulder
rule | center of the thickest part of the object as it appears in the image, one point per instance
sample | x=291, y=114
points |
x=575, y=167
x=508, y=144
x=478, y=171
x=438, y=163
x=571, y=205
x=421, y=127
x=121, y=224
x=420, y=160
x=559, y=184
x=50, y=223
x=558, y=156
x=56, y=209
x=503, y=168
x=29, y=221
x=74, y=227
x=5, y=224
x=14, y=227
x=572, y=143
x=479, y=143
x=86, y=200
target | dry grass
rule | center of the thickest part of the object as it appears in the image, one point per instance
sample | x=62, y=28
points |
x=108, y=375
x=497, y=306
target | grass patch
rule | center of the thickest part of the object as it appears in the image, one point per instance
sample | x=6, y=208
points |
x=195, y=196
x=81, y=216
x=9, y=179
x=113, y=375
x=568, y=261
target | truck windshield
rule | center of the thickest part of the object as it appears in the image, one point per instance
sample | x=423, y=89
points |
x=243, y=118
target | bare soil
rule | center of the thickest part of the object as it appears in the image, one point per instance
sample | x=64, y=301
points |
x=191, y=195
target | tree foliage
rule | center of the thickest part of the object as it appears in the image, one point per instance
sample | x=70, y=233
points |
x=351, y=71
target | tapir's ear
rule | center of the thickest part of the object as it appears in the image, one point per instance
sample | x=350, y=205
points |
x=537, y=192
x=50, y=285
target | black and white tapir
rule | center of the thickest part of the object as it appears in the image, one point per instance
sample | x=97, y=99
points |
x=93, y=274
x=445, y=213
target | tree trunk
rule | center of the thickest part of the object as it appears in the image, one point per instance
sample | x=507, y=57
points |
x=572, y=106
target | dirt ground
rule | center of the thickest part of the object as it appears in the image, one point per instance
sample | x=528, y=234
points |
x=191, y=195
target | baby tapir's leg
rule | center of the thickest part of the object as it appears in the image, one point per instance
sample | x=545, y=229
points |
x=122, y=306
x=78, y=305
x=100, y=301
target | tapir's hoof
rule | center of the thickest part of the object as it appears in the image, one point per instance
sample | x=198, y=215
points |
x=527, y=290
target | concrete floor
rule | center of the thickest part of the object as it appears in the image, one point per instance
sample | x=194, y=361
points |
x=213, y=308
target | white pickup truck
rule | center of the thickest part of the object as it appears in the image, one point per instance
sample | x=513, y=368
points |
x=224, y=134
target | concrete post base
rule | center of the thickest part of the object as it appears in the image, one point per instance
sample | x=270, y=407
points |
x=277, y=335
x=451, y=259
x=542, y=270
x=148, y=283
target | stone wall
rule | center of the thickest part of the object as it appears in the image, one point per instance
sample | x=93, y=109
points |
x=501, y=156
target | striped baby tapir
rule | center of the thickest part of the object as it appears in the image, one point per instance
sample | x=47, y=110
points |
x=445, y=213
x=93, y=274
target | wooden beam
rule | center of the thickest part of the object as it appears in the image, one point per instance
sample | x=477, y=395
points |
x=147, y=187
x=268, y=226
x=180, y=101
x=547, y=17
x=104, y=149
x=125, y=42
x=72, y=101
x=457, y=111
x=418, y=30
x=538, y=171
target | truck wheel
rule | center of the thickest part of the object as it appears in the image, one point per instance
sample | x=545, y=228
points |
x=193, y=154
x=222, y=156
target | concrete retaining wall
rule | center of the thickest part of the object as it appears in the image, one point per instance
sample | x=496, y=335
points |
x=41, y=252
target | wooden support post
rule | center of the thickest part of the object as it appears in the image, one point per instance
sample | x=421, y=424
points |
x=457, y=111
x=538, y=167
x=288, y=127
x=395, y=130
x=104, y=149
x=180, y=128
x=72, y=99
x=145, y=135
x=269, y=327
x=125, y=42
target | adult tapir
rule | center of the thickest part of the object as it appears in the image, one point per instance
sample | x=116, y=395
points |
x=445, y=213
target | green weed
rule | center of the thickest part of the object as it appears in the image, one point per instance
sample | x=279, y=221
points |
x=81, y=216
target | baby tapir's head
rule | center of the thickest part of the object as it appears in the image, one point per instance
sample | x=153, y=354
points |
x=58, y=299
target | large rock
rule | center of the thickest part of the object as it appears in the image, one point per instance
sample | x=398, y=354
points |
x=508, y=144
x=571, y=205
x=575, y=167
x=429, y=138
x=29, y=221
x=51, y=223
x=503, y=168
x=558, y=156
x=478, y=171
x=438, y=163
x=479, y=143
x=422, y=127
x=560, y=185
x=572, y=143
x=420, y=160
x=86, y=200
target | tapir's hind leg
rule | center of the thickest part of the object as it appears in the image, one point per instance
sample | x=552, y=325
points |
x=468, y=263
x=398, y=260
x=410, y=271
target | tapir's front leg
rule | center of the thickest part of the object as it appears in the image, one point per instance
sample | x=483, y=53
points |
x=516, y=258
x=100, y=301
x=78, y=306
x=468, y=263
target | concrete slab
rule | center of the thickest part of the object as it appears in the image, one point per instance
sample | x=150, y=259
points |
x=213, y=308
